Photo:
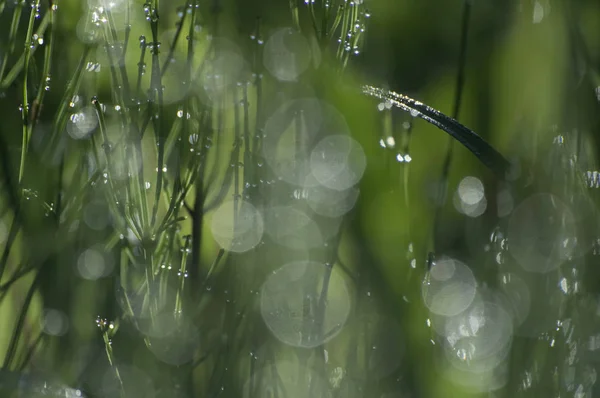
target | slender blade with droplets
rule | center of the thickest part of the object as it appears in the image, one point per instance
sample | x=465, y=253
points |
x=468, y=138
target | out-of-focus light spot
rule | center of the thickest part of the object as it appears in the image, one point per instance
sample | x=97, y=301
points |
x=291, y=134
x=82, y=124
x=478, y=340
x=284, y=299
x=517, y=295
x=54, y=322
x=93, y=265
x=470, y=190
x=222, y=72
x=542, y=233
x=390, y=142
x=505, y=203
x=175, y=345
x=237, y=230
x=538, y=12
x=469, y=198
x=96, y=216
x=287, y=54
x=338, y=162
x=292, y=228
x=449, y=287
x=330, y=202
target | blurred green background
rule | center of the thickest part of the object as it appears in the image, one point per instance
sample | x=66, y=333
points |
x=531, y=75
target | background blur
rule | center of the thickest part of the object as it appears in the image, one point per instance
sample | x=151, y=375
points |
x=491, y=289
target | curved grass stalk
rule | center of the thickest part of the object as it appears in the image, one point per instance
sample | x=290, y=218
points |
x=468, y=138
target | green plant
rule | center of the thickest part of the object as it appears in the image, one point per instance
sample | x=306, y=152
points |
x=190, y=177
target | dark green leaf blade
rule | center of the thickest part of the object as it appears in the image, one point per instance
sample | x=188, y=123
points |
x=468, y=138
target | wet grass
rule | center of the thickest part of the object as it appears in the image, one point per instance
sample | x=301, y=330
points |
x=156, y=117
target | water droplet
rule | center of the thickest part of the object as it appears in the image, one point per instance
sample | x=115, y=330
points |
x=93, y=67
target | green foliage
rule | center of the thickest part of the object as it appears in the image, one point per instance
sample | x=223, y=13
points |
x=215, y=199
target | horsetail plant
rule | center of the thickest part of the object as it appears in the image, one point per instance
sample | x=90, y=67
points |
x=195, y=185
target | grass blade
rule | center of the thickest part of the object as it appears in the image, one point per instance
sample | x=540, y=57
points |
x=489, y=156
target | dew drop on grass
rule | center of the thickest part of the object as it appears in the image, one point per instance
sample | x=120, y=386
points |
x=47, y=83
x=291, y=307
x=403, y=158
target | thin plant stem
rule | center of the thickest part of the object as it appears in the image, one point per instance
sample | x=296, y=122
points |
x=12, y=36
x=18, y=329
x=17, y=67
x=15, y=226
x=460, y=82
x=45, y=78
x=32, y=349
x=25, y=106
x=157, y=120
x=295, y=16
